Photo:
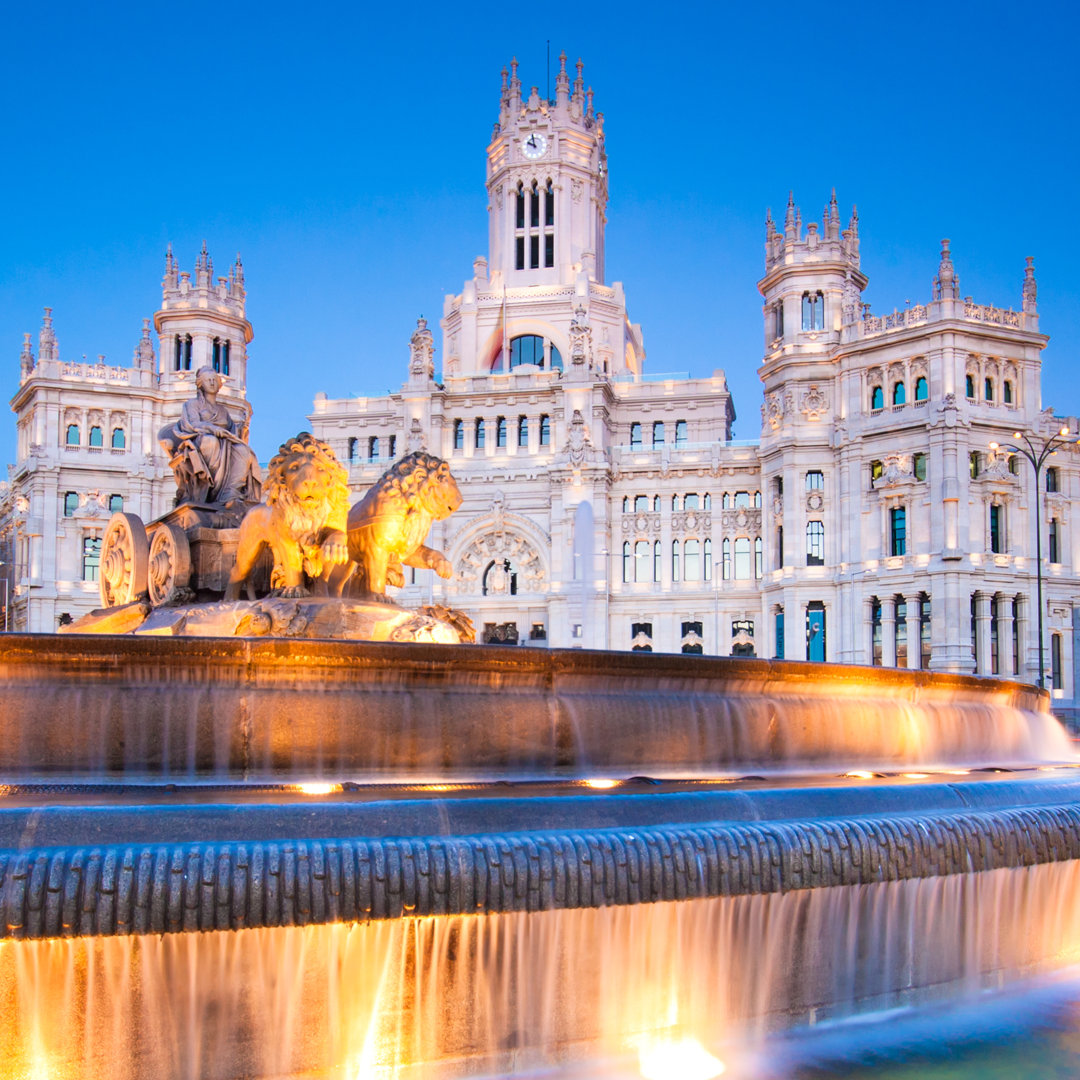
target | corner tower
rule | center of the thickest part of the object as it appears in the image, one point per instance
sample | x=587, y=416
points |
x=547, y=184
x=202, y=323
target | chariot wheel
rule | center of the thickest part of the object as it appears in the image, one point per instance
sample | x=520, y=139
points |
x=169, y=572
x=125, y=553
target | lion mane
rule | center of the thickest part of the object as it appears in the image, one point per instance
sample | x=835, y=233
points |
x=388, y=525
x=302, y=518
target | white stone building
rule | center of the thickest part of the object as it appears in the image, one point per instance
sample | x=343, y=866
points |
x=87, y=439
x=872, y=522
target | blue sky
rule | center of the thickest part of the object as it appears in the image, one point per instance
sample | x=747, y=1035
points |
x=340, y=149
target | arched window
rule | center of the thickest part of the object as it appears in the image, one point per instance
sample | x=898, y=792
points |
x=556, y=359
x=815, y=543
x=642, y=561
x=392, y=449
x=225, y=358
x=675, y=560
x=922, y=388
x=988, y=389
x=215, y=355
x=373, y=448
x=178, y=353
x=119, y=439
x=1007, y=395
x=813, y=311
x=527, y=349
x=725, y=501
x=635, y=436
x=707, y=560
x=899, y=395
x=500, y=431
x=459, y=435
x=674, y=504
x=877, y=398
x=656, y=503
x=72, y=438
x=626, y=504
x=96, y=436
x=757, y=499
x=658, y=433
x=523, y=431
x=91, y=561
x=549, y=225
x=626, y=561
x=187, y=352
x=71, y=503
x=742, y=558
x=969, y=386
x=116, y=503
x=692, y=560
x=545, y=431
x=479, y=433
x=706, y=503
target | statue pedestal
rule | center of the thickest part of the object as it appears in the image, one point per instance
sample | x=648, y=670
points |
x=275, y=616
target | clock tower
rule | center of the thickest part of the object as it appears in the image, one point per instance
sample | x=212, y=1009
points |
x=547, y=184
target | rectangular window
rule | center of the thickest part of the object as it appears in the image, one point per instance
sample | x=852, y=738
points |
x=779, y=546
x=534, y=209
x=680, y=432
x=523, y=431
x=500, y=431
x=742, y=558
x=1055, y=544
x=658, y=433
x=91, y=558
x=901, y=632
x=1055, y=661
x=534, y=252
x=973, y=464
x=815, y=632
x=898, y=531
x=815, y=543
x=778, y=629
x=997, y=529
x=691, y=501
x=995, y=639
x=71, y=504
x=875, y=633
x=481, y=435
x=549, y=207
x=692, y=560
x=393, y=447
x=545, y=430
x=779, y=325
x=459, y=435
x=1052, y=479
x=919, y=466
x=519, y=260
x=815, y=480
x=549, y=250
x=519, y=219
x=924, y=632
x=635, y=436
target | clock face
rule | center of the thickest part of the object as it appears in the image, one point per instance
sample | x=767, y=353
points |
x=534, y=146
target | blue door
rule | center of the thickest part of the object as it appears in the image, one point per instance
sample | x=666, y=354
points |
x=815, y=632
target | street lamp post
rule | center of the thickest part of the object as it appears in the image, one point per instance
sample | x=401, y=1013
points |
x=1037, y=457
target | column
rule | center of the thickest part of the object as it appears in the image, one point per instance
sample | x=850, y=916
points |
x=864, y=652
x=983, y=615
x=1005, y=637
x=888, y=631
x=914, y=630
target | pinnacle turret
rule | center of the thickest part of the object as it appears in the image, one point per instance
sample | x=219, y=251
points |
x=48, y=348
x=26, y=357
x=1031, y=288
x=947, y=282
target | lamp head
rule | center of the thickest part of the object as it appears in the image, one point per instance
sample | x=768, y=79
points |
x=1016, y=435
x=1064, y=431
x=993, y=446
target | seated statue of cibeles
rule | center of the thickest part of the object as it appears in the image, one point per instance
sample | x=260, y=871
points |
x=208, y=450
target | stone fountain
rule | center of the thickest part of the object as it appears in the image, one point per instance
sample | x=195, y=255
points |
x=229, y=851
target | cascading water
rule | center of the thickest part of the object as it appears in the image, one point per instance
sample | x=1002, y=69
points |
x=175, y=906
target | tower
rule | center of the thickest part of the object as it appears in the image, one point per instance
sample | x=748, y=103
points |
x=547, y=184
x=202, y=323
x=538, y=300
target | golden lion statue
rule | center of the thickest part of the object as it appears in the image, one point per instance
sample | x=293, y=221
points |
x=387, y=526
x=302, y=519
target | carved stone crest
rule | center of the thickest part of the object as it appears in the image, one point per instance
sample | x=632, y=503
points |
x=814, y=403
x=422, y=351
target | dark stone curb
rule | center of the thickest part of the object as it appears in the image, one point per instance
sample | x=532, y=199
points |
x=172, y=888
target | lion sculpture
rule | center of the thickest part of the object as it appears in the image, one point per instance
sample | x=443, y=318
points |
x=302, y=520
x=386, y=528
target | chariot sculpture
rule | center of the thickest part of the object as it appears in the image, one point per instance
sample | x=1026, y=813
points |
x=232, y=540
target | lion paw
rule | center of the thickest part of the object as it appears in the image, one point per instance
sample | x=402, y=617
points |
x=442, y=567
x=292, y=592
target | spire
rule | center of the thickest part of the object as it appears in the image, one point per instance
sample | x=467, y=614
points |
x=789, y=218
x=26, y=357
x=562, y=82
x=514, y=99
x=1031, y=288
x=170, y=280
x=770, y=225
x=48, y=349
x=832, y=218
x=236, y=275
x=946, y=284
x=579, y=83
x=144, y=351
x=589, y=105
